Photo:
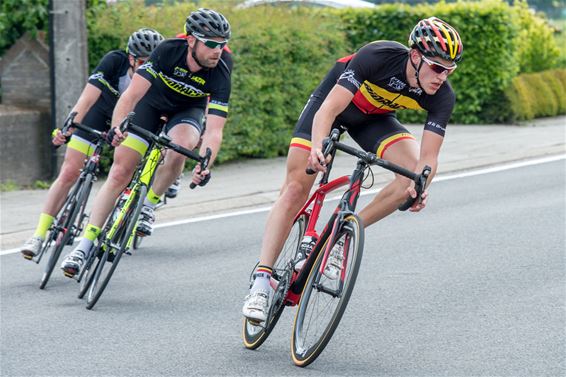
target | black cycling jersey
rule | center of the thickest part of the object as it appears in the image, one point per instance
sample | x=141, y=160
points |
x=175, y=88
x=376, y=74
x=111, y=77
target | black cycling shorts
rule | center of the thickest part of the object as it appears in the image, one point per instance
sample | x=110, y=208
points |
x=148, y=117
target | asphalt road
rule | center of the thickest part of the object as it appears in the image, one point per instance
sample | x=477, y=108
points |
x=472, y=286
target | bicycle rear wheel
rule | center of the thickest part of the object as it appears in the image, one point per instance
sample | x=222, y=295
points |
x=74, y=206
x=114, y=250
x=255, y=334
x=323, y=301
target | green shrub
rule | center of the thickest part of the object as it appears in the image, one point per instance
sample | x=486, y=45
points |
x=19, y=16
x=536, y=47
x=532, y=95
x=280, y=55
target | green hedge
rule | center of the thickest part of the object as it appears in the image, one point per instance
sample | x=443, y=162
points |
x=19, y=16
x=533, y=95
x=279, y=57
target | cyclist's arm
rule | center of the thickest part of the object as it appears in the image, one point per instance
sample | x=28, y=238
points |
x=89, y=96
x=212, y=138
x=131, y=96
x=336, y=101
x=430, y=149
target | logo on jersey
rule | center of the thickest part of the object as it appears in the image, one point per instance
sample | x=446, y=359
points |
x=349, y=75
x=417, y=91
x=396, y=84
x=99, y=76
x=181, y=72
x=148, y=67
x=384, y=101
x=198, y=80
x=181, y=87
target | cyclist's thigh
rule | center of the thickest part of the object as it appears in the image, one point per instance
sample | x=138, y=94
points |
x=146, y=117
x=381, y=134
x=186, y=127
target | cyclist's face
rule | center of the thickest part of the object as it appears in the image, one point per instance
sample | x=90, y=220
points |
x=209, y=57
x=135, y=63
x=430, y=76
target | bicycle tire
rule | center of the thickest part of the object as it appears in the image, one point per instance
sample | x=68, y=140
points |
x=254, y=335
x=304, y=351
x=128, y=228
x=78, y=203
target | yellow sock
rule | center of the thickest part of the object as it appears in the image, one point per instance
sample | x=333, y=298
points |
x=44, y=223
x=152, y=197
x=91, y=232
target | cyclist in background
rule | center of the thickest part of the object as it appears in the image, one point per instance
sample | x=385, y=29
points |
x=173, y=190
x=177, y=81
x=94, y=108
x=362, y=92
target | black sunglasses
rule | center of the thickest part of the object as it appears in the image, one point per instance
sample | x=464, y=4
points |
x=210, y=43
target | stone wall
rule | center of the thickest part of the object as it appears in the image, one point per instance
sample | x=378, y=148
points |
x=24, y=74
x=25, y=150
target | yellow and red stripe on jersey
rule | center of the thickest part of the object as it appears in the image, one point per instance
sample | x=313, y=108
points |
x=301, y=143
x=372, y=99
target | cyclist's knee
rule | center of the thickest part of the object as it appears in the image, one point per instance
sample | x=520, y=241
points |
x=120, y=174
x=295, y=193
x=69, y=174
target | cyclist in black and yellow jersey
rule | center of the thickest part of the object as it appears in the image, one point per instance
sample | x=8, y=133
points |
x=183, y=79
x=94, y=108
x=362, y=92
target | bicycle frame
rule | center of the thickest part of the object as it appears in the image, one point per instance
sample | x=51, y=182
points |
x=145, y=172
x=345, y=207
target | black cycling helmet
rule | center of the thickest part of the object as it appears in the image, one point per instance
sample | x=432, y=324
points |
x=207, y=23
x=142, y=42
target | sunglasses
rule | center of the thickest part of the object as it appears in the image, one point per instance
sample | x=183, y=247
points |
x=439, y=68
x=210, y=43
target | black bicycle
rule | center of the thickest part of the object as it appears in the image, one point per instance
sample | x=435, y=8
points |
x=118, y=234
x=70, y=220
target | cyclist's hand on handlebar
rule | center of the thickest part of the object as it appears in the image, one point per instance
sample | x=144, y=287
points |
x=115, y=136
x=317, y=162
x=419, y=204
x=200, y=178
x=58, y=137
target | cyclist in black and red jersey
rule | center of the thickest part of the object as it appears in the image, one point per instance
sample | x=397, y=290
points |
x=182, y=79
x=362, y=93
x=94, y=108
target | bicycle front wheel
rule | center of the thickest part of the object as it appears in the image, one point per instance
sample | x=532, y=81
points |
x=115, y=248
x=324, y=300
x=255, y=334
x=73, y=207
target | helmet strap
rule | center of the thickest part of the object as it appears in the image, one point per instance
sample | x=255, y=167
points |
x=417, y=71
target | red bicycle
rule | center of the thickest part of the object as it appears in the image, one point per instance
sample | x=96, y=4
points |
x=322, y=297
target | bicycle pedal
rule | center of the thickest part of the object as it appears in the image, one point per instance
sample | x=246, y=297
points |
x=27, y=256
